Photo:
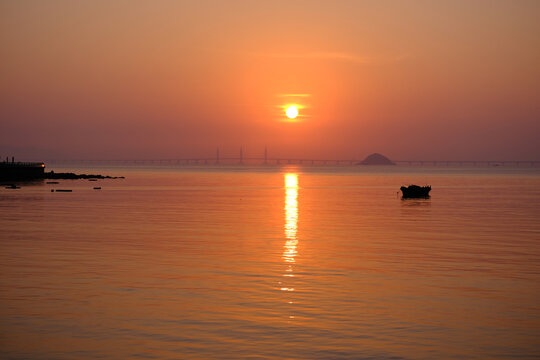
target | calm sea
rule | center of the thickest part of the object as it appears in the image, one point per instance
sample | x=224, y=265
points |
x=272, y=263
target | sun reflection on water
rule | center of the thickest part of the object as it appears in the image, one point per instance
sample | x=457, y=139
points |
x=290, y=229
x=291, y=218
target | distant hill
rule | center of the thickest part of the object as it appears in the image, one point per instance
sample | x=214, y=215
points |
x=376, y=159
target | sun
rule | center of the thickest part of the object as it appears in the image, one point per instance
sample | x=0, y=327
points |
x=292, y=112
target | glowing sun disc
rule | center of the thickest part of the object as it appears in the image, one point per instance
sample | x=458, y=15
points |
x=292, y=112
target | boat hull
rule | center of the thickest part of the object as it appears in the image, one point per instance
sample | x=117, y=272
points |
x=415, y=192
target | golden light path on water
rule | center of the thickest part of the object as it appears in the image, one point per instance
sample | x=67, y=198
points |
x=291, y=225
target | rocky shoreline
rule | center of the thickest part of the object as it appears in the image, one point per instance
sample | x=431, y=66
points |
x=73, y=176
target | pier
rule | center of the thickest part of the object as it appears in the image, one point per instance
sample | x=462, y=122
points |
x=21, y=170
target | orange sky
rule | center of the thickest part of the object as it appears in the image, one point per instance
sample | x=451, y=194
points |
x=171, y=79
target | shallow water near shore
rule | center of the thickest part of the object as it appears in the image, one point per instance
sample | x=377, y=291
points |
x=240, y=262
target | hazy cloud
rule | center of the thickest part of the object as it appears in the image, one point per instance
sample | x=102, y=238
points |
x=293, y=95
x=336, y=55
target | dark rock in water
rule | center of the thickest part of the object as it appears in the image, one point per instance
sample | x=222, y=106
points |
x=377, y=159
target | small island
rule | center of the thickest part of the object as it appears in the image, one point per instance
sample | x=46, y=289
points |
x=376, y=159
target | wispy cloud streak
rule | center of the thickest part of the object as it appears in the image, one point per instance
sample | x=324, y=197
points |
x=294, y=95
x=339, y=56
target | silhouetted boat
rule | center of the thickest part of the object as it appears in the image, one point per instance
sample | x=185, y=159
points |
x=415, y=191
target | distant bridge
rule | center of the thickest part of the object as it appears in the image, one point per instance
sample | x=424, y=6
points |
x=301, y=161
x=468, y=163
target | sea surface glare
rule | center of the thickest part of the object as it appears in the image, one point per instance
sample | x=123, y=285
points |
x=272, y=263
